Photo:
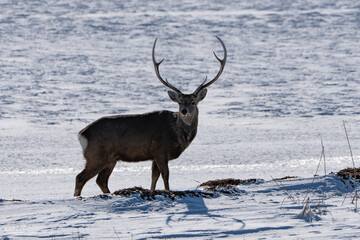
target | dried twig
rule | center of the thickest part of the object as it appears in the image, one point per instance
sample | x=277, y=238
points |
x=282, y=187
x=317, y=169
x=353, y=162
x=323, y=193
x=117, y=235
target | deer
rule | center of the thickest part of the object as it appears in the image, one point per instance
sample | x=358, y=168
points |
x=158, y=136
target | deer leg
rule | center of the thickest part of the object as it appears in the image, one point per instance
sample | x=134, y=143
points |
x=84, y=176
x=154, y=176
x=164, y=170
x=103, y=177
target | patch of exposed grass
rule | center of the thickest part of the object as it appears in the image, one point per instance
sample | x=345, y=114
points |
x=348, y=173
x=227, y=185
x=150, y=195
x=284, y=178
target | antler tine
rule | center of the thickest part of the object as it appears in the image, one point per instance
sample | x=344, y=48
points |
x=156, y=65
x=222, y=65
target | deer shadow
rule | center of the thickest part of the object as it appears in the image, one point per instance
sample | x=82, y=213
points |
x=197, y=211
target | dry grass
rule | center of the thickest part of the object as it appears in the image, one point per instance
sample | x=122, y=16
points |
x=284, y=178
x=227, y=182
x=13, y=200
x=212, y=186
x=348, y=173
x=150, y=195
x=226, y=185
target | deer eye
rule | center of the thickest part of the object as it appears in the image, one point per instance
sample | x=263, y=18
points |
x=192, y=102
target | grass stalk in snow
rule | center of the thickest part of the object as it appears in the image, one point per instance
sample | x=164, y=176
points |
x=323, y=192
x=353, y=162
x=317, y=169
x=117, y=235
x=282, y=187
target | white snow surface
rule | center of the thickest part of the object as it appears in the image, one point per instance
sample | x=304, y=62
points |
x=291, y=79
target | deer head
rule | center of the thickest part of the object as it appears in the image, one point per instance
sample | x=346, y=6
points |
x=188, y=110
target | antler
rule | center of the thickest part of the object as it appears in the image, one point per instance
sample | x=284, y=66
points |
x=222, y=62
x=156, y=65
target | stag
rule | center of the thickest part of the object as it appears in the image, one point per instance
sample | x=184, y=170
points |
x=158, y=136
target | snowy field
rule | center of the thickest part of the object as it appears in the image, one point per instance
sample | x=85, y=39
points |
x=291, y=79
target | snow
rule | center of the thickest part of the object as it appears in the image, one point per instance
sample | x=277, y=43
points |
x=291, y=79
x=259, y=210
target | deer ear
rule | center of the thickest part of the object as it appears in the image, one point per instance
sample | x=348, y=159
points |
x=201, y=95
x=174, y=96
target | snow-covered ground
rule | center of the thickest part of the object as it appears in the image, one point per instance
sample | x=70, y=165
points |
x=291, y=79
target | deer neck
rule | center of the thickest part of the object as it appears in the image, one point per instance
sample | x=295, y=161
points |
x=187, y=132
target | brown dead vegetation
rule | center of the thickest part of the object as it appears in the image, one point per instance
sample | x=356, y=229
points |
x=13, y=200
x=284, y=178
x=226, y=185
x=227, y=182
x=150, y=195
x=213, y=186
x=349, y=173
